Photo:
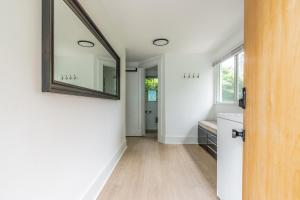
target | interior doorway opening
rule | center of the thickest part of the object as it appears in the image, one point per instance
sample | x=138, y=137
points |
x=145, y=99
x=151, y=102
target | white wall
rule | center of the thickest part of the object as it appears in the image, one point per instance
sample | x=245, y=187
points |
x=80, y=65
x=234, y=40
x=52, y=146
x=187, y=101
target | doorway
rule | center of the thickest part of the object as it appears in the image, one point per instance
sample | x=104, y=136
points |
x=109, y=80
x=140, y=122
x=151, y=102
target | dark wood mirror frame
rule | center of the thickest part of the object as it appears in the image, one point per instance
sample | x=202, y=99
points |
x=48, y=82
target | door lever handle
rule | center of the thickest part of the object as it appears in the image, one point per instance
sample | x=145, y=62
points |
x=242, y=101
x=236, y=134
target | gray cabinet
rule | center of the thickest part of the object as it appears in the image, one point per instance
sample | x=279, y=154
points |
x=207, y=140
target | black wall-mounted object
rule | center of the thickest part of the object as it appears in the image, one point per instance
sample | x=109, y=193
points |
x=236, y=133
x=131, y=70
x=49, y=84
x=242, y=101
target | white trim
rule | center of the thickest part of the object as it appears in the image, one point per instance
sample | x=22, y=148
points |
x=161, y=103
x=216, y=74
x=142, y=101
x=100, y=180
x=181, y=140
x=236, y=77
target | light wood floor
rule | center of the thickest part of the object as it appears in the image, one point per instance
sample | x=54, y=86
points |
x=152, y=171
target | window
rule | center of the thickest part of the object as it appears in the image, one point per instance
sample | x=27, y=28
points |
x=227, y=93
x=230, y=79
x=240, y=73
x=151, y=88
x=152, y=95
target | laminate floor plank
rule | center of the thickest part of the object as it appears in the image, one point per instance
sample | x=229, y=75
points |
x=152, y=171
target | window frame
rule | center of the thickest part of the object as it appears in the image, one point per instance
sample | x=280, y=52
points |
x=217, y=80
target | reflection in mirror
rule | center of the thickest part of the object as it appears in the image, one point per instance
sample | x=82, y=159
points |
x=79, y=58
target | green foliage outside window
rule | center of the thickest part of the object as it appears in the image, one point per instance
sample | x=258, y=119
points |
x=229, y=82
x=151, y=83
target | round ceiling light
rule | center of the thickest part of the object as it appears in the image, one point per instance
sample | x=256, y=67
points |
x=85, y=43
x=160, y=42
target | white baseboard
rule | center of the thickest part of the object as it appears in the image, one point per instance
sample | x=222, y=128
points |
x=99, y=182
x=181, y=140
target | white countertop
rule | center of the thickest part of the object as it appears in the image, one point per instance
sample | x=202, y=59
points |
x=209, y=125
x=236, y=117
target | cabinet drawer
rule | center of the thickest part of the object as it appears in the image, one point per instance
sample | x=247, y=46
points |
x=212, y=146
x=202, y=132
x=202, y=135
x=212, y=137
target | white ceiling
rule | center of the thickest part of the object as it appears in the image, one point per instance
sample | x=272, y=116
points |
x=190, y=25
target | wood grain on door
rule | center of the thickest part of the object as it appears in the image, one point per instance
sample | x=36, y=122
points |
x=272, y=115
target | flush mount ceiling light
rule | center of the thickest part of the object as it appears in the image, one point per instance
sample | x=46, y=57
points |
x=85, y=43
x=160, y=42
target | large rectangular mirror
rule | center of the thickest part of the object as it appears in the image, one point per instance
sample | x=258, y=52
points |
x=77, y=59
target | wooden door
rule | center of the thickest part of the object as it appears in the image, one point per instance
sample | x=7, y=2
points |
x=272, y=116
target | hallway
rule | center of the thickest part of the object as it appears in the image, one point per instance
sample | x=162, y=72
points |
x=153, y=171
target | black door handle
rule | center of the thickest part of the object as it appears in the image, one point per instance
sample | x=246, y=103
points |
x=236, y=134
